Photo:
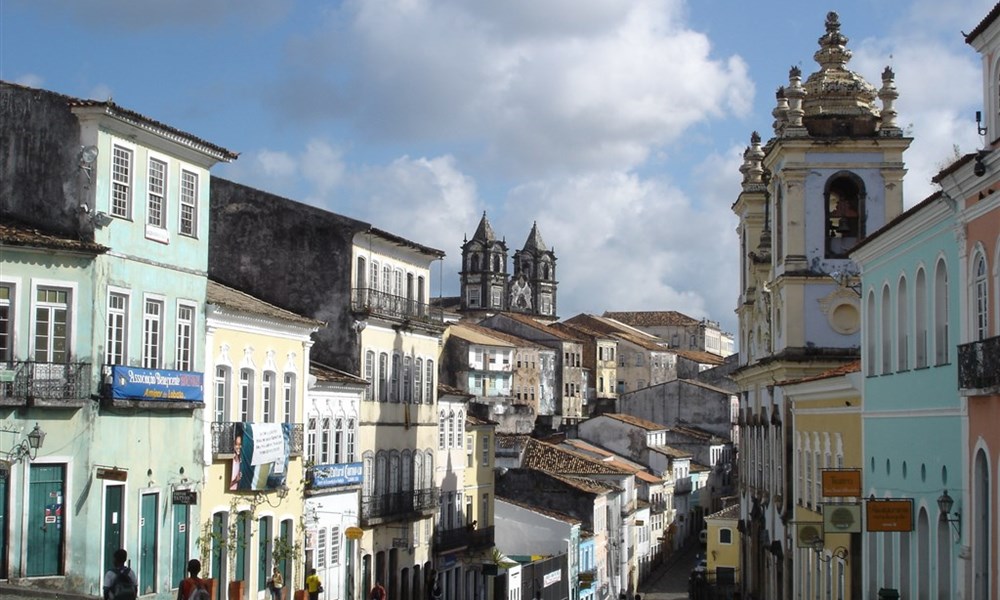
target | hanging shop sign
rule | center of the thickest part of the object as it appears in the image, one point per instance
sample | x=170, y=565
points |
x=890, y=514
x=841, y=483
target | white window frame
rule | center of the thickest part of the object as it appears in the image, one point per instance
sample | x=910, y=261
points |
x=188, y=193
x=117, y=328
x=122, y=177
x=152, y=331
x=245, y=399
x=288, y=382
x=473, y=297
x=157, y=178
x=70, y=307
x=222, y=384
x=185, y=342
x=980, y=298
x=8, y=308
x=269, y=395
x=351, y=445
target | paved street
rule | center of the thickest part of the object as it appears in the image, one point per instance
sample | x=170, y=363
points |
x=671, y=582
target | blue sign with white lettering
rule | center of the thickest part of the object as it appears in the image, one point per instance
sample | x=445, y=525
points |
x=325, y=476
x=134, y=383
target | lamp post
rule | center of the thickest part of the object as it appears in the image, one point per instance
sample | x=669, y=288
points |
x=26, y=448
x=945, y=503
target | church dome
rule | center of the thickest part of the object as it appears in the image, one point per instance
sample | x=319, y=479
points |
x=838, y=101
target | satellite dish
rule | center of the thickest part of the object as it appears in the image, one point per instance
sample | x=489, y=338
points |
x=88, y=154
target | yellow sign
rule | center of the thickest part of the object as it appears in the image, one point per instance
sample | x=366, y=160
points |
x=354, y=533
x=889, y=515
x=839, y=483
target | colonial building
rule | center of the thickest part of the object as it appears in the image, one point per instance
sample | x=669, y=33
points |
x=102, y=292
x=643, y=360
x=679, y=330
x=599, y=357
x=487, y=287
x=370, y=286
x=254, y=481
x=831, y=174
x=973, y=182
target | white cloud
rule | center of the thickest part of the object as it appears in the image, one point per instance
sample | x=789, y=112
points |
x=30, y=80
x=526, y=93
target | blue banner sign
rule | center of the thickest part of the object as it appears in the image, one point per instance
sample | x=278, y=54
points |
x=326, y=476
x=134, y=383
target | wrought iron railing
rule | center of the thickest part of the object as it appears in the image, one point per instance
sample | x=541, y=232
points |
x=223, y=436
x=397, y=307
x=979, y=364
x=450, y=539
x=398, y=504
x=45, y=383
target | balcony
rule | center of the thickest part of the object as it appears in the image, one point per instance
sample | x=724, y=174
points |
x=44, y=384
x=381, y=304
x=223, y=432
x=979, y=364
x=658, y=507
x=398, y=506
x=462, y=537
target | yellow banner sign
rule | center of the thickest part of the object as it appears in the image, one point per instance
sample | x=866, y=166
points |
x=839, y=483
x=889, y=515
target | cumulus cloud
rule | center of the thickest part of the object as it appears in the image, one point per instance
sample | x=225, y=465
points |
x=525, y=92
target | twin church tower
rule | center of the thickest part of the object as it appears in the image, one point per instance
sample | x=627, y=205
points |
x=487, y=286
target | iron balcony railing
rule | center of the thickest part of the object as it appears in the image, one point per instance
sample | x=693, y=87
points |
x=45, y=383
x=223, y=432
x=396, y=307
x=979, y=364
x=460, y=537
x=398, y=504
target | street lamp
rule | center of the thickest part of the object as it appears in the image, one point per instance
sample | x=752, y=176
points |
x=28, y=447
x=945, y=503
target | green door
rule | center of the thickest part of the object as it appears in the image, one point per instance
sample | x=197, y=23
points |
x=148, y=537
x=181, y=541
x=263, y=551
x=4, y=520
x=114, y=496
x=218, y=531
x=284, y=563
x=45, y=527
x=241, y=546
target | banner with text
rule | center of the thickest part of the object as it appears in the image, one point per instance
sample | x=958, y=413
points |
x=134, y=383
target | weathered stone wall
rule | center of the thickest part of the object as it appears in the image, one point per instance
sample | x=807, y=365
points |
x=680, y=402
x=530, y=487
x=40, y=178
x=292, y=255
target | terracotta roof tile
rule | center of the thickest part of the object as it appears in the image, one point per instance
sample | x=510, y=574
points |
x=987, y=20
x=850, y=367
x=700, y=356
x=477, y=335
x=553, y=459
x=326, y=373
x=227, y=297
x=542, y=327
x=12, y=234
x=445, y=389
x=619, y=331
x=652, y=318
x=636, y=421
x=730, y=512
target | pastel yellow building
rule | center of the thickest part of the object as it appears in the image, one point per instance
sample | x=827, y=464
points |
x=257, y=367
x=826, y=438
x=722, y=546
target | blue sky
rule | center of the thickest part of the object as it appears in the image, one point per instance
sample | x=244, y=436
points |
x=617, y=126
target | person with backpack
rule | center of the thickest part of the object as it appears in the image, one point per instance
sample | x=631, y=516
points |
x=120, y=582
x=192, y=587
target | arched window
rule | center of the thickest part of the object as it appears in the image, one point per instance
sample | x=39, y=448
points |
x=373, y=280
x=394, y=474
x=902, y=327
x=383, y=377
x=870, y=342
x=442, y=430
x=429, y=382
x=980, y=299
x=886, y=331
x=418, y=382
x=940, y=313
x=473, y=262
x=496, y=263
x=394, y=378
x=351, y=441
x=920, y=319
x=981, y=503
x=428, y=470
x=381, y=473
x=545, y=270
x=407, y=471
x=845, y=210
x=368, y=466
x=418, y=469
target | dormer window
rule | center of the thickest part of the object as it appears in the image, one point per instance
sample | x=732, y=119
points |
x=844, y=212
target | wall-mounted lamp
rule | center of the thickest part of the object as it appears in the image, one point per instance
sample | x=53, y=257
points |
x=99, y=219
x=26, y=448
x=979, y=167
x=945, y=504
x=265, y=496
x=86, y=160
x=979, y=123
x=839, y=552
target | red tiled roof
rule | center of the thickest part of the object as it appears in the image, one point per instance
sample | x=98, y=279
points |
x=541, y=456
x=652, y=318
x=526, y=320
x=221, y=295
x=986, y=22
x=699, y=356
x=636, y=421
x=844, y=369
x=326, y=373
x=19, y=235
x=616, y=330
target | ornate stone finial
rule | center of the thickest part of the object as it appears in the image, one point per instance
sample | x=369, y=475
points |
x=832, y=51
x=752, y=168
x=780, y=112
x=755, y=138
x=888, y=95
x=834, y=91
x=794, y=72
